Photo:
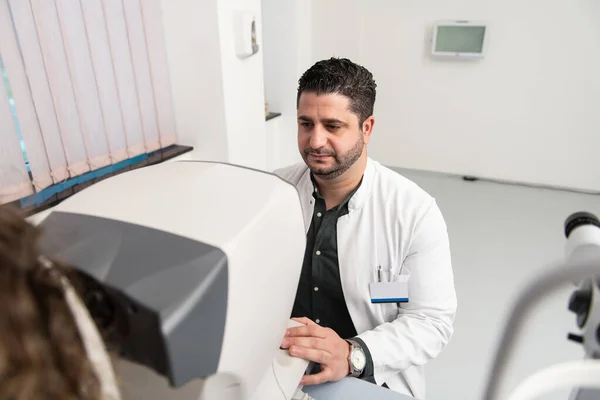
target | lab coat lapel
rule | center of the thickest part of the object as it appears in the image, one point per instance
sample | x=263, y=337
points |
x=357, y=253
x=305, y=191
x=354, y=251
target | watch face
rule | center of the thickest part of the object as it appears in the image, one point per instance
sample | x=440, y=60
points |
x=358, y=359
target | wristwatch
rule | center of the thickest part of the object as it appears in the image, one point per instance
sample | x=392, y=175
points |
x=357, y=359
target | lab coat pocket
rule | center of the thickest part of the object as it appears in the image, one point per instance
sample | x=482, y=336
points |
x=390, y=311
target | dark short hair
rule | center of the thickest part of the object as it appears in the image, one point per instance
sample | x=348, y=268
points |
x=341, y=76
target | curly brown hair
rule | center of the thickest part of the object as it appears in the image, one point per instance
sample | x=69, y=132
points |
x=42, y=356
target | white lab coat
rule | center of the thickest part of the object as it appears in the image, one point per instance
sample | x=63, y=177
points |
x=393, y=223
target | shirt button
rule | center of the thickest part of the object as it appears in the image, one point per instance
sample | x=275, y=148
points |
x=317, y=320
x=316, y=288
x=319, y=214
x=318, y=252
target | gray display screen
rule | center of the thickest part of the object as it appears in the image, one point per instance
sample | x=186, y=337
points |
x=460, y=39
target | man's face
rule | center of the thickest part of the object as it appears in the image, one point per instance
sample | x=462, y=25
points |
x=330, y=138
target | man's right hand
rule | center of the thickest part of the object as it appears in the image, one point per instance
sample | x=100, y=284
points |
x=320, y=345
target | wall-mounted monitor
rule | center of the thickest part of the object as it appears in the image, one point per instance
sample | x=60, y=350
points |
x=459, y=39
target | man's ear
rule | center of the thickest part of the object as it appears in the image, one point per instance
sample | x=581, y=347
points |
x=367, y=128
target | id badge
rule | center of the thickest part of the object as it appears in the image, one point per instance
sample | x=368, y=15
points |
x=390, y=292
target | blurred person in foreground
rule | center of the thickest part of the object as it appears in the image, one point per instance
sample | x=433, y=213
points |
x=50, y=347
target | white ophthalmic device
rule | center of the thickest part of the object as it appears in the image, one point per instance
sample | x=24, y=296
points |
x=193, y=267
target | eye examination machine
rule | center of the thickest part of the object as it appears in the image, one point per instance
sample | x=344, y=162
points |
x=190, y=269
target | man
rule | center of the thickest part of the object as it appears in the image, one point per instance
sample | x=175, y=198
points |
x=367, y=228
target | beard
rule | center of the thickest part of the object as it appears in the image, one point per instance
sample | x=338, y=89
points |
x=341, y=164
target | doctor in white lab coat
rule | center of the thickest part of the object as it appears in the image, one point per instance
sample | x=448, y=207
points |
x=385, y=230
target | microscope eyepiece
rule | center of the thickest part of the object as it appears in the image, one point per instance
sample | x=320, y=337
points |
x=579, y=219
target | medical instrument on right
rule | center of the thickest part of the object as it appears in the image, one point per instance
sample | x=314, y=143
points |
x=581, y=265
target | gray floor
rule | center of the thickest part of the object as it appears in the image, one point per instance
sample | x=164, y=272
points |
x=501, y=236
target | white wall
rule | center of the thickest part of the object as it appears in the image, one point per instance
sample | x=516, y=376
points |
x=528, y=112
x=219, y=99
x=287, y=54
x=243, y=88
x=194, y=54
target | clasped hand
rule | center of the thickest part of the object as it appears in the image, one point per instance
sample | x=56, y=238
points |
x=321, y=345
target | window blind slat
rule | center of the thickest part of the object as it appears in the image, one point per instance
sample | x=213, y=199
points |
x=61, y=86
x=14, y=180
x=105, y=78
x=143, y=78
x=25, y=109
x=159, y=67
x=40, y=91
x=83, y=79
x=121, y=59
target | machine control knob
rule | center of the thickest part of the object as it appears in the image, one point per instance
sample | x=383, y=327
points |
x=575, y=338
x=579, y=303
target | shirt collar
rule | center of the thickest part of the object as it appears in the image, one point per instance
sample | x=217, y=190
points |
x=345, y=203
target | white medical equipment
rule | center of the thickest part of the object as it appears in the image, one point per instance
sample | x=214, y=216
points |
x=192, y=267
x=582, y=264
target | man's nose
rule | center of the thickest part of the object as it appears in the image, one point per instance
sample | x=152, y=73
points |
x=318, y=138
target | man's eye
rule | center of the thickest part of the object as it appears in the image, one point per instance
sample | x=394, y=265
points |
x=305, y=124
x=333, y=127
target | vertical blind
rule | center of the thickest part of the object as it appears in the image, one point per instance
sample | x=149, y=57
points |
x=90, y=88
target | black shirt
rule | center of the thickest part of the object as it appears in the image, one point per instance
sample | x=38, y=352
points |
x=320, y=296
